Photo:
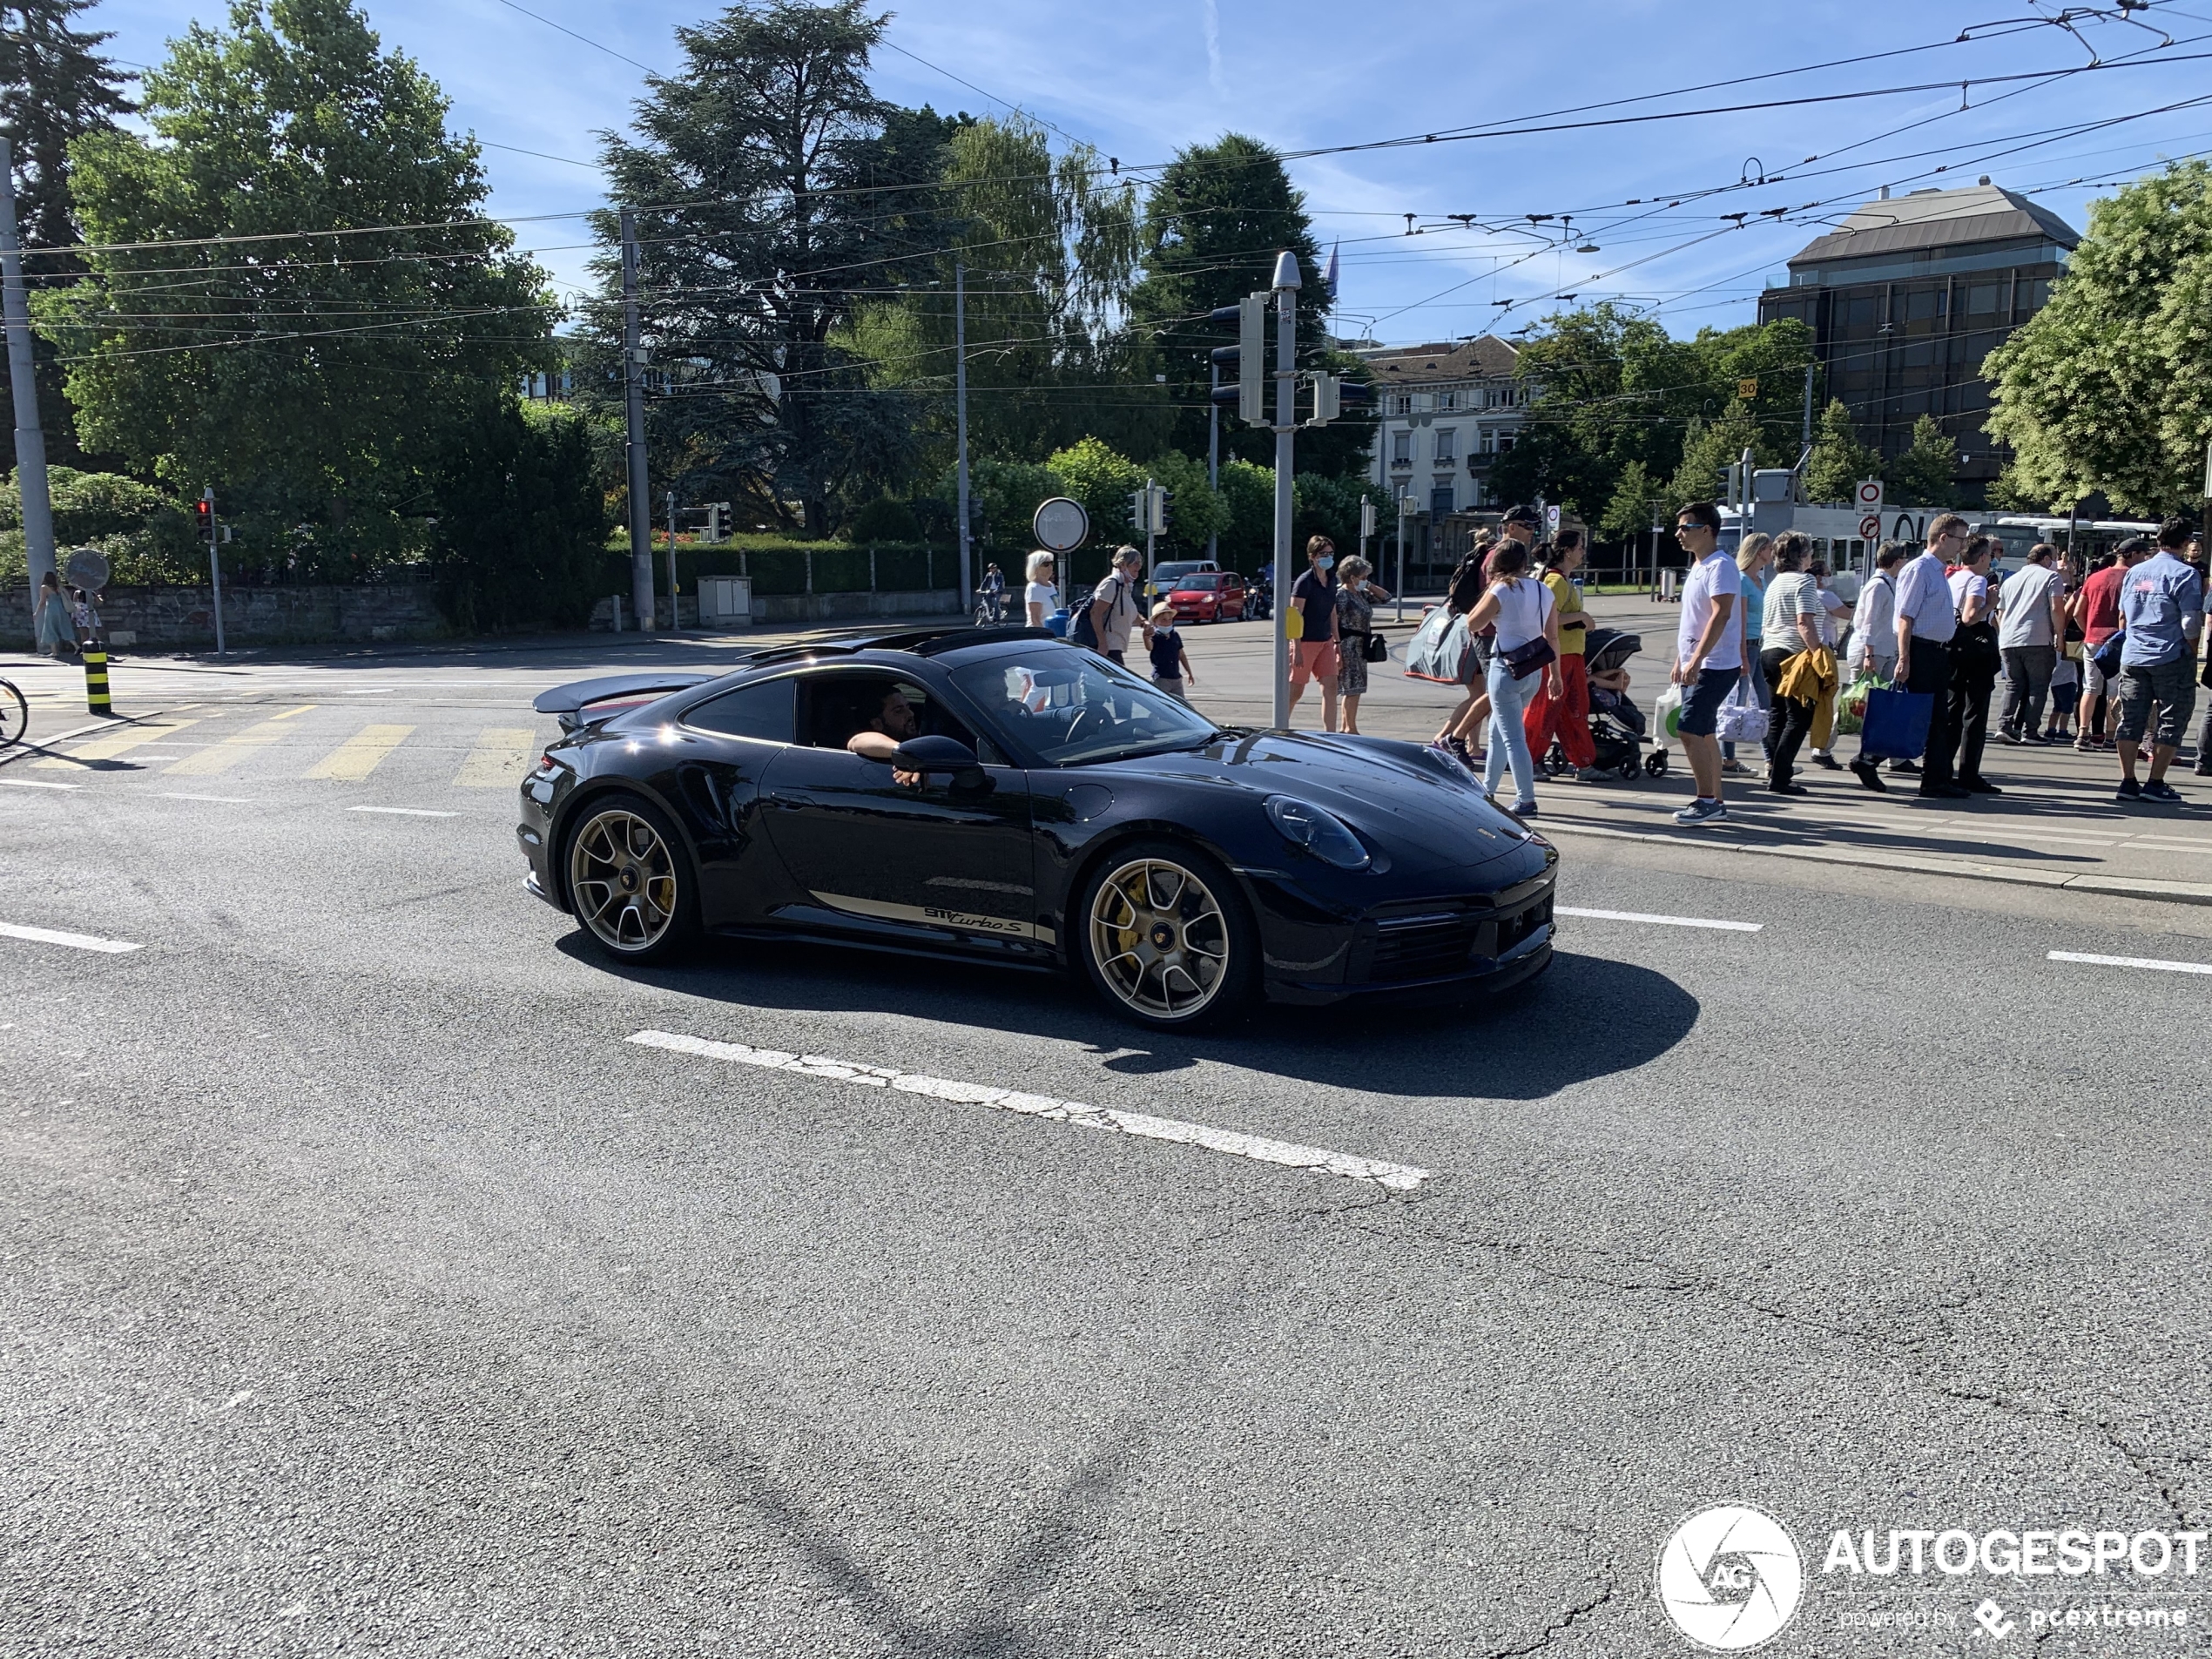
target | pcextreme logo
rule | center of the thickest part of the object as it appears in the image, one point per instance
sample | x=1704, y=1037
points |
x=1731, y=1578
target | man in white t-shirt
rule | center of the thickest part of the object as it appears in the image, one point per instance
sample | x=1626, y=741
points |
x=2031, y=621
x=1709, y=653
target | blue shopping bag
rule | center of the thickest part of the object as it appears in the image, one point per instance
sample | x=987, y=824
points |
x=1896, y=724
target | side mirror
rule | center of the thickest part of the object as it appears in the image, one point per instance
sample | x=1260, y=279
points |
x=941, y=755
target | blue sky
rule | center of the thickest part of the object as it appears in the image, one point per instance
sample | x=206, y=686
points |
x=1142, y=78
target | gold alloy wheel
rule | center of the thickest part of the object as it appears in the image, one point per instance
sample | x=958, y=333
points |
x=1160, y=939
x=622, y=879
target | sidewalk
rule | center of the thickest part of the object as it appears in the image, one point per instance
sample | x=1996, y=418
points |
x=2056, y=825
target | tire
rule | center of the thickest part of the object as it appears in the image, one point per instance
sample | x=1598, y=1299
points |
x=15, y=715
x=1165, y=938
x=630, y=883
x=1656, y=765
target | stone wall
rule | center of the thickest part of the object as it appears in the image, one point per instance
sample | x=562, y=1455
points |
x=184, y=618
x=800, y=610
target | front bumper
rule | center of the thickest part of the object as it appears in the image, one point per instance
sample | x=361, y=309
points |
x=1437, y=950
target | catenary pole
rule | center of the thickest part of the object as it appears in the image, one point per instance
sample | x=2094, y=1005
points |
x=1286, y=287
x=675, y=622
x=633, y=376
x=960, y=400
x=30, y=439
x=1805, y=440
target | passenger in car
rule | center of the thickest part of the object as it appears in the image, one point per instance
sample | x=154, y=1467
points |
x=892, y=725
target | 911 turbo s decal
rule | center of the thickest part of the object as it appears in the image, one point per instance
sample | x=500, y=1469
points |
x=937, y=916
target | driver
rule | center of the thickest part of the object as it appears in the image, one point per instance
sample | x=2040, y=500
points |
x=880, y=739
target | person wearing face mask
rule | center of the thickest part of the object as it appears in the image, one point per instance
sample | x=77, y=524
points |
x=1314, y=651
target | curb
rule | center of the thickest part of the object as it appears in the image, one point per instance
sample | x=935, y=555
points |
x=23, y=751
x=2195, y=892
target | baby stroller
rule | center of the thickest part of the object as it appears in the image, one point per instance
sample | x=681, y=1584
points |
x=1617, y=726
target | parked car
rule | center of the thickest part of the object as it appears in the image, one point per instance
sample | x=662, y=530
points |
x=1208, y=595
x=1168, y=573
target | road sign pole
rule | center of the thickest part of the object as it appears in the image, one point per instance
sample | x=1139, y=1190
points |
x=675, y=619
x=1213, y=454
x=959, y=404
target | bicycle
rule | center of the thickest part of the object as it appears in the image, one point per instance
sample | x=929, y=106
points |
x=14, y=714
x=990, y=607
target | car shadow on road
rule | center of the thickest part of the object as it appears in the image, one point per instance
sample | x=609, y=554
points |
x=1619, y=1016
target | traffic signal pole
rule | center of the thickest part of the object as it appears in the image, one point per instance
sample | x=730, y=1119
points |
x=960, y=400
x=1213, y=451
x=31, y=438
x=1286, y=287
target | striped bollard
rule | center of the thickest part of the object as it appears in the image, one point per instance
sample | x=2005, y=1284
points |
x=96, y=693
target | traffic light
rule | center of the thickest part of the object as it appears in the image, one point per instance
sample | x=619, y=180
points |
x=1332, y=392
x=1248, y=357
x=1148, y=510
x=204, y=518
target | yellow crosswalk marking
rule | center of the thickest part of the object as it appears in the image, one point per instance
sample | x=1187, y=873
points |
x=360, y=754
x=121, y=743
x=501, y=755
x=221, y=756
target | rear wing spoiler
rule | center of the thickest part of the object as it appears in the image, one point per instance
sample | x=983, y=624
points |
x=569, y=703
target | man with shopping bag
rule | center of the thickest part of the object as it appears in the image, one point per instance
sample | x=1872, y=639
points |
x=1926, y=619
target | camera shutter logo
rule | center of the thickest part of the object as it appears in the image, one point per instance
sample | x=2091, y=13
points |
x=1731, y=1578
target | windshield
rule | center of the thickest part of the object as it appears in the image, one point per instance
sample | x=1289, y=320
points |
x=1072, y=706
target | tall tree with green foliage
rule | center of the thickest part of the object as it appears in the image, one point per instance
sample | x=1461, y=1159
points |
x=1049, y=245
x=55, y=87
x=2108, y=387
x=310, y=377
x=1925, y=474
x=1213, y=223
x=1710, y=447
x=774, y=188
x=1612, y=389
x=1839, y=460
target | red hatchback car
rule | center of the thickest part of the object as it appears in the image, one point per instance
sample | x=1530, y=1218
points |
x=1208, y=595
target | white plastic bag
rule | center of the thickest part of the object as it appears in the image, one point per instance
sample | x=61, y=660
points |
x=1668, y=710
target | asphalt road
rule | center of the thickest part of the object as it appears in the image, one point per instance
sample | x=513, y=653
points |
x=369, y=1287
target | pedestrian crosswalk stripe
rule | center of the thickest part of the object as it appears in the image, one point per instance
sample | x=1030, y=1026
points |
x=501, y=757
x=221, y=756
x=121, y=743
x=360, y=754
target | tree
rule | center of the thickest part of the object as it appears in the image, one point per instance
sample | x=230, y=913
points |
x=309, y=376
x=1635, y=498
x=774, y=183
x=55, y=87
x=1839, y=460
x=1091, y=472
x=522, y=526
x=1050, y=245
x=1924, y=475
x=1612, y=389
x=1213, y=225
x=2108, y=387
x=1196, y=509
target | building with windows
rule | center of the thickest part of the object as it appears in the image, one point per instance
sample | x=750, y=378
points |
x=1445, y=413
x=1909, y=294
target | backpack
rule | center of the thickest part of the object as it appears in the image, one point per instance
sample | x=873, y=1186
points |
x=1079, y=625
x=1465, y=589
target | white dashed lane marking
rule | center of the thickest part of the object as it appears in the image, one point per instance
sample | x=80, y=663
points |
x=1399, y=1178
x=36, y=783
x=2149, y=963
x=1662, y=922
x=227, y=800
x=403, y=811
x=75, y=942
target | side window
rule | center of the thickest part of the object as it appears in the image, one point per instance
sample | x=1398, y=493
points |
x=766, y=713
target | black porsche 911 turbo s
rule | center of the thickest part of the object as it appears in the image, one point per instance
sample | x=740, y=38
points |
x=1045, y=808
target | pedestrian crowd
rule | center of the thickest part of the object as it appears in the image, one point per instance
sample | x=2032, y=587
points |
x=2118, y=646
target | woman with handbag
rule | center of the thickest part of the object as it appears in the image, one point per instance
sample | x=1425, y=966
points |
x=1521, y=609
x=1360, y=644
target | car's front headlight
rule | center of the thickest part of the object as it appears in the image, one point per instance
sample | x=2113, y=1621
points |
x=1321, y=833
